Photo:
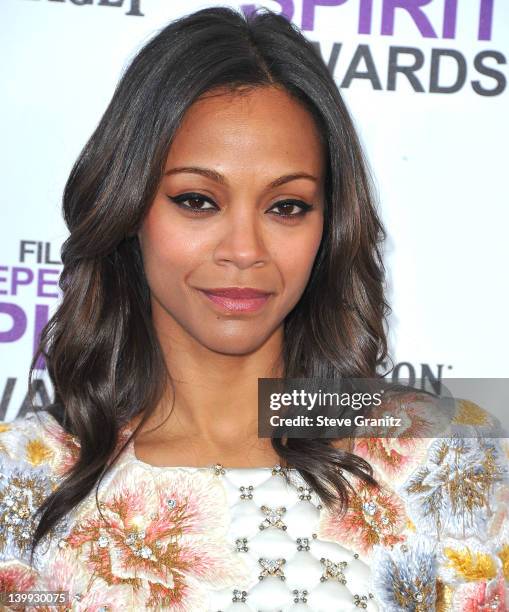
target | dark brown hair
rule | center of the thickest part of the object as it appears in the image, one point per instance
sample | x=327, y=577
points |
x=100, y=344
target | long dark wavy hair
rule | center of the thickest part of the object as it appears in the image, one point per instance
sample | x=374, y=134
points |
x=101, y=343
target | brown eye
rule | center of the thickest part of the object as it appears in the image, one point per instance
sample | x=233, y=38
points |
x=195, y=200
x=298, y=207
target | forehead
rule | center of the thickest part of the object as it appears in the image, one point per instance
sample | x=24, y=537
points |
x=264, y=123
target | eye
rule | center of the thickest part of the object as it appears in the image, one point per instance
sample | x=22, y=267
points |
x=289, y=205
x=195, y=200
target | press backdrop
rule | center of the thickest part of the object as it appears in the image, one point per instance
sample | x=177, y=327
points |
x=426, y=82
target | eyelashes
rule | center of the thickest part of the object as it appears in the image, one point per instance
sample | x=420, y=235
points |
x=288, y=204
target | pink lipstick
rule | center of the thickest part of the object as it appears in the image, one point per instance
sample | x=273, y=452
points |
x=237, y=299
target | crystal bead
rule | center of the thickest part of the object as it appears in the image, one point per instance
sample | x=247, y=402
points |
x=241, y=544
x=246, y=492
x=369, y=508
x=333, y=570
x=272, y=567
x=239, y=595
x=273, y=518
x=302, y=543
x=171, y=503
x=360, y=601
x=102, y=541
x=304, y=493
x=300, y=595
x=219, y=469
x=146, y=552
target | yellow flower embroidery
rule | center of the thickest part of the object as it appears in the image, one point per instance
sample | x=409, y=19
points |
x=4, y=427
x=409, y=525
x=503, y=553
x=470, y=413
x=38, y=452
x=471, y=565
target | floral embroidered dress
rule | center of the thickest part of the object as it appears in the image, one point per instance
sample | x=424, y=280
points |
x=433, y=536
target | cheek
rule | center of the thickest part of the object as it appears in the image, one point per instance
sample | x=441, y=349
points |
x=169, y=252
x=295, y=261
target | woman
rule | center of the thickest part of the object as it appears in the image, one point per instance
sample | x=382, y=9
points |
x=223, y=229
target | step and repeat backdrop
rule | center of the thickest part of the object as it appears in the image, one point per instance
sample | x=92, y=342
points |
x=426, y=83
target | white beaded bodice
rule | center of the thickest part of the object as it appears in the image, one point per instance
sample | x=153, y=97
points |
x=273, y=529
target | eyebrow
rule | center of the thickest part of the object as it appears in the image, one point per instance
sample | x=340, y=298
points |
x=219, y=178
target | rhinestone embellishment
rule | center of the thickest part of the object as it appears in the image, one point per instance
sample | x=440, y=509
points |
x=241, y=544
x=302, y=543
x=369, y=508
x=277, y=469
x=219, y=469
x=239, y=595
x=135, y=541
x=304, y=493
x=246, y=492
x=273, y=518
x=300, y=595
x=272, y=567
x=333, y=570
x=360, y=601
x=102, y=541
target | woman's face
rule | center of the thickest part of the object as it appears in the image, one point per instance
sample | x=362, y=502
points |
x=240, y=205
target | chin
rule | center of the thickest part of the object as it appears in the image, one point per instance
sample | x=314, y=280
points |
x=234, y=344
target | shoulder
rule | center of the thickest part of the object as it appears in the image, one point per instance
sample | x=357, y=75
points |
x=37, y=439
x=455, y=493
x=27, y=477
x=420, y=424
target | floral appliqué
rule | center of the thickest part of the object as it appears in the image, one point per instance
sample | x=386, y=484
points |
x=162, y=535
x=375, y=515
x=450, y=494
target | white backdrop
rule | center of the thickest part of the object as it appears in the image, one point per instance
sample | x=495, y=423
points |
x=436, y=141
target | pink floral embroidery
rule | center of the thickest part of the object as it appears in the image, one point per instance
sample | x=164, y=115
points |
x=481, y=596
x=163, y=534
x=374, y=516
x=65, y=447
x=15, y=575
x=66, y=574
x=396, y=455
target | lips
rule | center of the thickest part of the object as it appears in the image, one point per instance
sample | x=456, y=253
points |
x=236, y=299
x=238, y=292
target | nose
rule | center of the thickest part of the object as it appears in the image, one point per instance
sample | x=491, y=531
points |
x=242, y=241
